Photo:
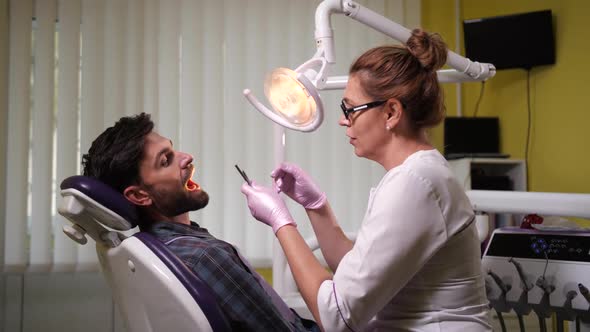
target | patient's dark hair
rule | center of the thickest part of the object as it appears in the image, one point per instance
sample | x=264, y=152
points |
x=115, y=154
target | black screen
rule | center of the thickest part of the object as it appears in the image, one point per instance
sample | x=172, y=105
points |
x=513, y=41
x=540, y=246
x=471, y=135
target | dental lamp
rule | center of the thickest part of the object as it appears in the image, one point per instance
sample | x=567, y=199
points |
x=293, y=94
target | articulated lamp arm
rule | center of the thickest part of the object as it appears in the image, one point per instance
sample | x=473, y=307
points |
x=463, y=68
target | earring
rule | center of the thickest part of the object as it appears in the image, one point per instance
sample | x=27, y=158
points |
x=388, y=128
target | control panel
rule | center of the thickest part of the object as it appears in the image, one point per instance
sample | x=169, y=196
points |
x=545, y=273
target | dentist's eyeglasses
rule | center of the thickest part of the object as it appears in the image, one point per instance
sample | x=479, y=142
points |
x=363, y=107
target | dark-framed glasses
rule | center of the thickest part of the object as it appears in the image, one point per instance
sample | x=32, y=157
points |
x=362, y=107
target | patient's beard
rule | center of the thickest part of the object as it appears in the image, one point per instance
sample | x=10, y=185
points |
x=173, y=203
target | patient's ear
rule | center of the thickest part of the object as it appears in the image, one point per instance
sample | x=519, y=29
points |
x=137, y=196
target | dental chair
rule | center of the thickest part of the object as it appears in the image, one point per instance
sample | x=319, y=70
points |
x=154, y=290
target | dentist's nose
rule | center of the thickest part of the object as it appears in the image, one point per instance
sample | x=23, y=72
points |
x=343, y=121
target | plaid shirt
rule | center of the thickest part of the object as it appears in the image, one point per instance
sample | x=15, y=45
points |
x=242, y=298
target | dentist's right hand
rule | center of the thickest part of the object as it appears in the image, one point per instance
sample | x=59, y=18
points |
x=297, y=184
x=267, y=206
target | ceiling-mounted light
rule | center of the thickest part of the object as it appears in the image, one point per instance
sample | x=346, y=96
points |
x=293, y=94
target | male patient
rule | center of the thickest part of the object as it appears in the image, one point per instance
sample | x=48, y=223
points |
x=146, y=169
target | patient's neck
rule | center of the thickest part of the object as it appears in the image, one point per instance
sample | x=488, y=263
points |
x=180, y=219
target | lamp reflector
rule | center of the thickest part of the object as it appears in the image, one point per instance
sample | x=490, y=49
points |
x=289, y=97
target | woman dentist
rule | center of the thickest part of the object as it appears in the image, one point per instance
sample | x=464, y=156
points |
x=415, y=265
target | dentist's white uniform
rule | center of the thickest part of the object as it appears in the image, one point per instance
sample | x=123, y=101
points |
x=415, y=265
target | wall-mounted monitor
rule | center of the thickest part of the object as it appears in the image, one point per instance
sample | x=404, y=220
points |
x=522, y=40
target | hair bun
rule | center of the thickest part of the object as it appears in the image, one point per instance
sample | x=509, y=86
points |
x=428, y=48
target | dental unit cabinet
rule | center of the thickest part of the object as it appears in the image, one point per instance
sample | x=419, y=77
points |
x=543, y=272
x=540, y=272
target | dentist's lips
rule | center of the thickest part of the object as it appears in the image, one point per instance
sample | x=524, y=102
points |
x=191, y=185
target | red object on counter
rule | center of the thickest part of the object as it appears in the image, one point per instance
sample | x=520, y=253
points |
x=531, y=219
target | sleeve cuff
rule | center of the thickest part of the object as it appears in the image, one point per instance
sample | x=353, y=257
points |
x=334, y=315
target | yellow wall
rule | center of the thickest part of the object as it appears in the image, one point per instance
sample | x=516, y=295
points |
x=559, y=155
x=266, y=274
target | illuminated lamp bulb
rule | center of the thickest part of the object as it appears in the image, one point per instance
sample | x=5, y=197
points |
x=289, y=97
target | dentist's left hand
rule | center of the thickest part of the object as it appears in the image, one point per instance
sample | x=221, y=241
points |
x=267, y=206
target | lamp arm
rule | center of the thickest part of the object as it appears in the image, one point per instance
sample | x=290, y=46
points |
x=466, y=70
x=335, y=83
x=455, y=76
x=324, y=34
x=444, y=76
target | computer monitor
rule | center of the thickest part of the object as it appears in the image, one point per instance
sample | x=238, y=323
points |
x=472, y=137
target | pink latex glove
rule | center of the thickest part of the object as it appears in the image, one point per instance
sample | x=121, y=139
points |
x=267, y=206
x=298, y=185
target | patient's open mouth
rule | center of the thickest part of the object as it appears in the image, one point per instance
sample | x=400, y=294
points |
x=191, y=185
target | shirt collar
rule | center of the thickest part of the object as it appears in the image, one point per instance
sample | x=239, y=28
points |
x=168, y=229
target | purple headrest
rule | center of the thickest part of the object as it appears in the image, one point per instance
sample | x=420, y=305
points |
x=104, y=195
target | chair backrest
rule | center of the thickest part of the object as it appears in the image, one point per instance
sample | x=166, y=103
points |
x=154, y=290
